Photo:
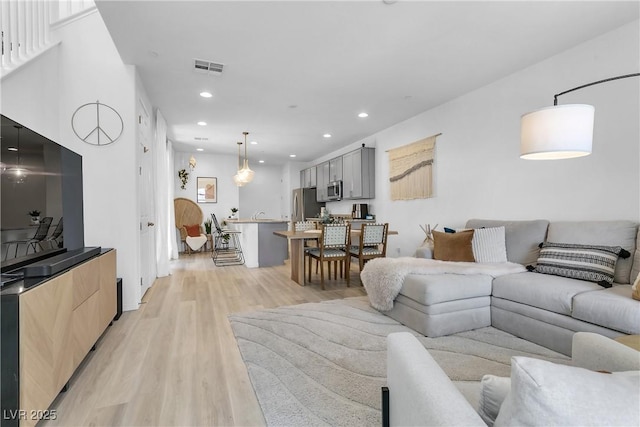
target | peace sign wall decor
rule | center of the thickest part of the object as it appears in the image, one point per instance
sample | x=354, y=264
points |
x=97, y=124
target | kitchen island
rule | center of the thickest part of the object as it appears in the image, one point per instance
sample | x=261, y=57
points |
x=261, y=248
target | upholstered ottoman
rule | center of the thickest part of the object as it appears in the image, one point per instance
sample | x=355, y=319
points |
x=443, y=304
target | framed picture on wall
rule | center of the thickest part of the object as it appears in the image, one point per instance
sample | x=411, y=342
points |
x=207, y=190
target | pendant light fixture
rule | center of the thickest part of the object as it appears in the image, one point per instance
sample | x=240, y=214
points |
x=245, y=174
x=17, y=174
x=236, y=178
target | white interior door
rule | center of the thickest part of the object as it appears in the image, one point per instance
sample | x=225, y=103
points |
x=146, y=201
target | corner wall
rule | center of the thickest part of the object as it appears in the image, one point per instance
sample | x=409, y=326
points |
x=43, y=96
x=478, y=172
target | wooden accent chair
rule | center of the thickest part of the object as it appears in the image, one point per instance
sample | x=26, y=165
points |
x=333, y=246
x=187, y=212
x=373, y=243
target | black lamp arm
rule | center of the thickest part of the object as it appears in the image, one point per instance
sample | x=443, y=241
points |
x=555, y=97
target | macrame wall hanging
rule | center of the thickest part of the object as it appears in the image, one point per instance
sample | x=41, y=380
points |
x=411, y=170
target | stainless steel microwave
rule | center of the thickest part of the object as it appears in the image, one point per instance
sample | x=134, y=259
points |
x=334, y=190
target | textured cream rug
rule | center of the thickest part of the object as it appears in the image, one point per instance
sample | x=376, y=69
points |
x=324, y=363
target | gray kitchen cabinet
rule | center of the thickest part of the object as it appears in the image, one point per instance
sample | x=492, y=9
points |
x=335, y=169
x=308, y=177
x=358, y=179
x=322, y=181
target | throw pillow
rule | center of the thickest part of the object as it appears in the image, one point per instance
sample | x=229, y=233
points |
x=635, y=289
x=493, y=391
x=453, y=246
x=489, y=245
x=193, y=230
x=545, y=393
x=583, y=262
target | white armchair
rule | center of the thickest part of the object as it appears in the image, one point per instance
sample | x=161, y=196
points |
x=420, y=393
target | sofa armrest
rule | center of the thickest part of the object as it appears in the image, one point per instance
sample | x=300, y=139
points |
x=420, y=393
x=424, y=252
x=599, y=353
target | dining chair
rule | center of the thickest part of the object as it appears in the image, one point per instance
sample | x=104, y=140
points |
x=333, y=246
x=299, y=226
x=373, y=243
x=33, y=242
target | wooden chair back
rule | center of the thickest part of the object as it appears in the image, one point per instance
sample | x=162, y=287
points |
x=187, y=212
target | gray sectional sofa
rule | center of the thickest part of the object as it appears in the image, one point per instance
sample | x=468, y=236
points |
x=541, y=308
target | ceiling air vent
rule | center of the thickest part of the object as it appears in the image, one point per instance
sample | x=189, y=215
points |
x=199, y=138
x=207, y=67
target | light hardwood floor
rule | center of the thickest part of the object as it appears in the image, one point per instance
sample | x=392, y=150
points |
x=175, y=361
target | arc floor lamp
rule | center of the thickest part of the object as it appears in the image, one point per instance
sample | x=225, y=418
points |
x=560, y=131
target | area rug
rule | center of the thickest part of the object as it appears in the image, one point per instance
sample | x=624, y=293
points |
x=324, y=363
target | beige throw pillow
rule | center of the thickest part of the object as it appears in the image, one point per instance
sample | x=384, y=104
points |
x=635, y=289
x=453, y=246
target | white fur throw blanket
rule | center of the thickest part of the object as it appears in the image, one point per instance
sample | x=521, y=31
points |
x=383, y=277
x=196, y=243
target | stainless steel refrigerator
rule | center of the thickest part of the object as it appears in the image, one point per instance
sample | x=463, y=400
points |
x=304, y=204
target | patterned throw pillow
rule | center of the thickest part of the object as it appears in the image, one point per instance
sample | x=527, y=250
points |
x=583, y=262
x=193, y=230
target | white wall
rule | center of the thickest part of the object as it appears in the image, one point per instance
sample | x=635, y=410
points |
x=43, y=96
x=222, y=167
x=478, y=172
x=263, y=193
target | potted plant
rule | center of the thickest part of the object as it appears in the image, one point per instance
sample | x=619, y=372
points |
x=234, y=212
x=35, y=217
x=207, y=225
x=184, y=177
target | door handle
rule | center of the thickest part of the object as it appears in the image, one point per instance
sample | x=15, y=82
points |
x=150, y=224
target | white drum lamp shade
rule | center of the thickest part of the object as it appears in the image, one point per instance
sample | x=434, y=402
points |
x=558, y=132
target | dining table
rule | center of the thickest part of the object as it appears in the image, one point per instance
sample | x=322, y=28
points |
x=296, y=241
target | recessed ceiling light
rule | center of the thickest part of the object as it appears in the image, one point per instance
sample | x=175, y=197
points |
x=12, y=149
x=327, y=135
x=292, y=155
x=363, y=115
x=199, y=149
x=260, y=161
x=202, y=123
x=206, y=94
x=254, y=142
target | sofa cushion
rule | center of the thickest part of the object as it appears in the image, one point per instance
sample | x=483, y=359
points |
x=429, y=289
x=522, y=237
x=552, y=293
x=608, y=233
x=613, y=308
x=545, y=393
x=489, y=245
x=453, y=246
x=584, y=262
x=493, y=391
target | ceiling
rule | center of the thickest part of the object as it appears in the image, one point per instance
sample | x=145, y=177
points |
x=295, y=70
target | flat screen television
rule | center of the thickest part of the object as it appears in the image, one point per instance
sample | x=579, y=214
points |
x=37, y=175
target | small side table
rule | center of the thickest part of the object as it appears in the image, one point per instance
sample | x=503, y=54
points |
x=632, y=341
